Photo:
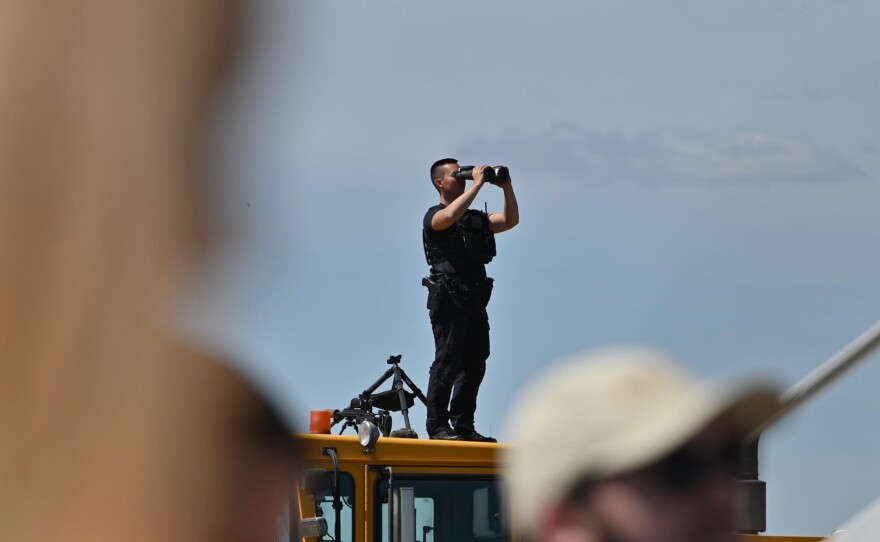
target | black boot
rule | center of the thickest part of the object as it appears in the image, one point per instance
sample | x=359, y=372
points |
x=473, y=436
x=445, y=433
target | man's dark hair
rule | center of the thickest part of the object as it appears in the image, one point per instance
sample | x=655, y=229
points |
x=436, y=165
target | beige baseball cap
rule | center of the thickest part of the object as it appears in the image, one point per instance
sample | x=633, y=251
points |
x=611, y=412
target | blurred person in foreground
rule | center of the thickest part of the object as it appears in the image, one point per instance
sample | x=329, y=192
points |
x=624, y=446
x=113, y=426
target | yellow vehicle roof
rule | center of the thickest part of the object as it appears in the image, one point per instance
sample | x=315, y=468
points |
x=403, y=451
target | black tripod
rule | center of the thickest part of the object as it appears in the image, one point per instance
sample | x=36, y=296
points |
x=397, y=399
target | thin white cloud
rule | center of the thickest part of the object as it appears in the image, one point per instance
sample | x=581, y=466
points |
x=586, y=155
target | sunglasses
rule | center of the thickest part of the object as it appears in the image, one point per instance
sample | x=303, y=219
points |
x=687, y=468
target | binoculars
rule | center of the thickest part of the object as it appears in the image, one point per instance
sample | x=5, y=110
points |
x=495, y=175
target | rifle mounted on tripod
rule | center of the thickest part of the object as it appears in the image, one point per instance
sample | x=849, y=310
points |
x=360, y=416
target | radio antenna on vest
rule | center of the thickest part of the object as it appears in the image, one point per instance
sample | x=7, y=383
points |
x=486, y=207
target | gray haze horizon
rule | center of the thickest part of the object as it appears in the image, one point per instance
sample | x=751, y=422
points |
x=699, y=176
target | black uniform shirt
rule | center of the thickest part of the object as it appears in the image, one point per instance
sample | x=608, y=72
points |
x=442, y=240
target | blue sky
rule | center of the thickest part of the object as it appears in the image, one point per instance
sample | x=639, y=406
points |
x=702, y=176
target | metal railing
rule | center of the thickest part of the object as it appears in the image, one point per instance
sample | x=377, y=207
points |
x=826, y=373
x=753, y=517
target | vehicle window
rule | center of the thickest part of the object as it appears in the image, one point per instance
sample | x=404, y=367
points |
x=324, y=508
x=424, y=519
x=462, y=509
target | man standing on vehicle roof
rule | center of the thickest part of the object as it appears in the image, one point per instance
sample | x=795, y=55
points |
x=458, y=243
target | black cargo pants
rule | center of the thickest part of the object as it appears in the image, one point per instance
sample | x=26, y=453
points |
x=461, y=340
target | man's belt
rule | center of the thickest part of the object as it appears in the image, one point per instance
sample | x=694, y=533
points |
x=463, y=294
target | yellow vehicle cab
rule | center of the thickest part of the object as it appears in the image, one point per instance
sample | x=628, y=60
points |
x=440, y=491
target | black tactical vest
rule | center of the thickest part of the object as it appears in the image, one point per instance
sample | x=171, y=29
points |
x=469, y=240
